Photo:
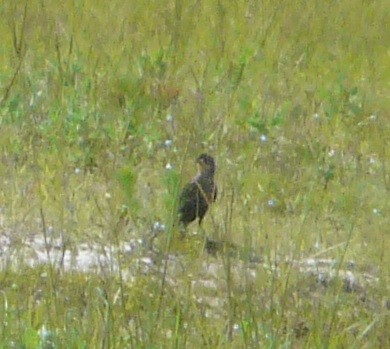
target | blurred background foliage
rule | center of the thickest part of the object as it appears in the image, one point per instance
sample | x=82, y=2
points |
x=105, y=105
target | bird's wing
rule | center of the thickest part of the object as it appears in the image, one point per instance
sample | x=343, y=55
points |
x=188, y=193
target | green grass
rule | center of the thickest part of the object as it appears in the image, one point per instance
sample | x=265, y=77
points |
x=292, y=100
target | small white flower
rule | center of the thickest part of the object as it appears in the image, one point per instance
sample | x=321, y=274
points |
x=77, y=170
x=316, y=116
x=331, y=153
x=158, y=227
x=376, y=211
x=107, y=195
x=169, y=118
x=373, y=117
x=168, y=143
x=272, y=203
x=168, y=166
x=263, y=138
x=45, y=334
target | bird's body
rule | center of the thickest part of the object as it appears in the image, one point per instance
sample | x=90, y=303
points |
x=197, y=195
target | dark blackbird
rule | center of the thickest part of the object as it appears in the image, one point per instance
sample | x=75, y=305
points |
x=199, y=193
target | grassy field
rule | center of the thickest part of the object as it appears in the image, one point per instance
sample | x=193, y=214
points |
x=104, y=107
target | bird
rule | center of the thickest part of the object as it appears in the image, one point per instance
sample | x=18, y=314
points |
x=199, y=194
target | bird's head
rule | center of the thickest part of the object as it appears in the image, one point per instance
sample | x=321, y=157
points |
x=206, y=163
